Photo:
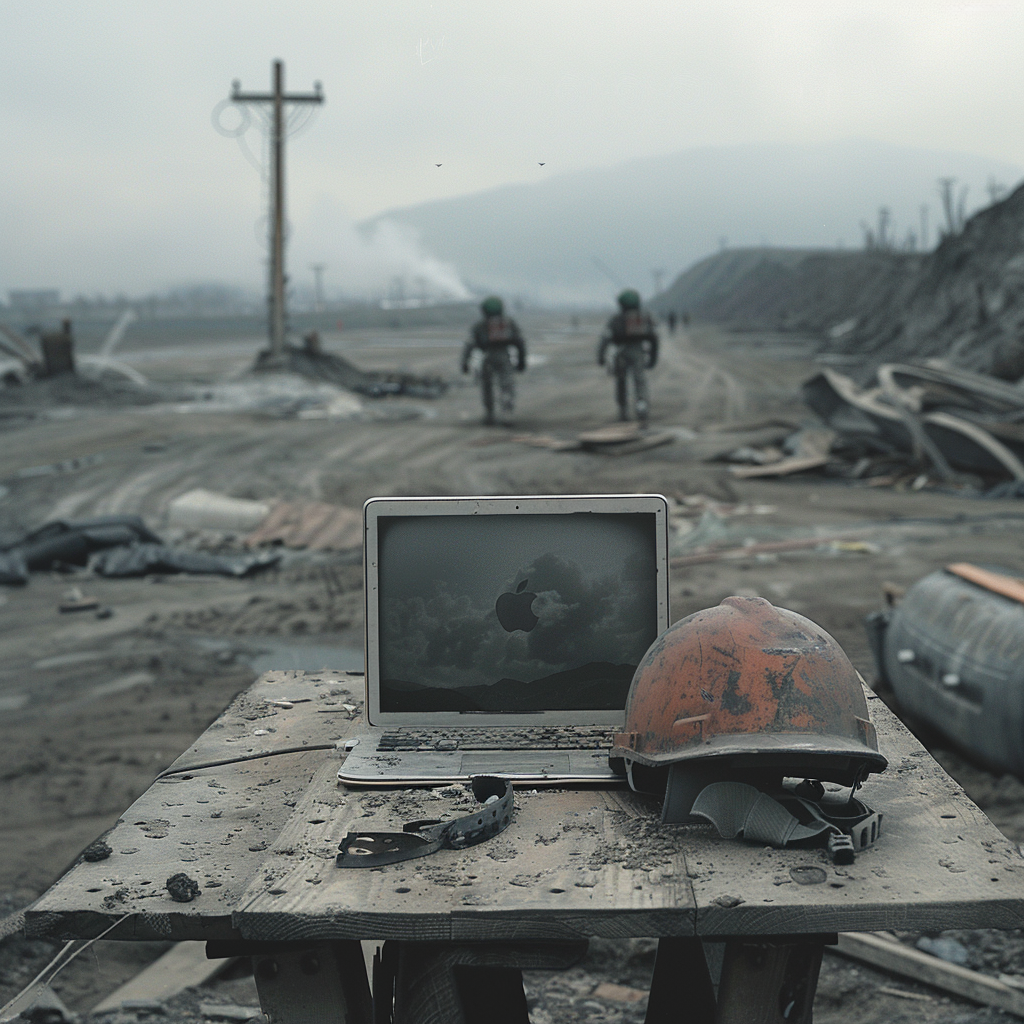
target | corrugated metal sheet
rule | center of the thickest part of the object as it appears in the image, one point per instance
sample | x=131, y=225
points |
x=310, y=524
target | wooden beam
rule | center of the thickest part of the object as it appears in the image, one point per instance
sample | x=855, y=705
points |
x=183, y=966
x=1006, y=586
x=894, y=957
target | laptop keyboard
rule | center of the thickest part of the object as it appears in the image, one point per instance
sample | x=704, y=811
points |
x=554, y=738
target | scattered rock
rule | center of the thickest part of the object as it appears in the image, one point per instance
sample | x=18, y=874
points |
x=182, y=888
x=728, y=901
x=618, y=993
x=98, y=850
x=945, y=948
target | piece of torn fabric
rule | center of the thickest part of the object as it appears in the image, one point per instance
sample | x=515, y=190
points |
x=13, y=570
x=65, y=542
x=142, y=559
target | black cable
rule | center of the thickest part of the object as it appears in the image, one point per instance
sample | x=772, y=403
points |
x=246, y=757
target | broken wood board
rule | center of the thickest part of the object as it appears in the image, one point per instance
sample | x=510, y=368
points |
x=555, y=444
x=1005, y=586
x=622, y=439
x=310, y=524
x=618, y=439
x=614, y=433
x=183, y=966
x=794, y=464
x=939, y=863
x=895, y=958
x=213, y=824
x=642, y=443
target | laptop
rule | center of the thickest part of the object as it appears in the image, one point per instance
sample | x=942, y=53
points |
x=502, y=634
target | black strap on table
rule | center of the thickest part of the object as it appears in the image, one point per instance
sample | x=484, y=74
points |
x=419, y=838
x=789, y=818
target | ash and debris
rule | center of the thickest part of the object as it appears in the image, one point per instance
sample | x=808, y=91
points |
x=646, y=842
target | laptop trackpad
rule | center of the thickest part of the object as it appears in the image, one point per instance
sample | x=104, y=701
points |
x=516, y=762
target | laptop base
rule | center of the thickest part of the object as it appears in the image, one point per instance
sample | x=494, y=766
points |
x=371, y=767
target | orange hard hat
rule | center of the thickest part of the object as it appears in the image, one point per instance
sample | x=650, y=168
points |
x=747, y=690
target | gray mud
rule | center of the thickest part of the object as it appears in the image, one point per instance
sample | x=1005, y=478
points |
x=94, y=708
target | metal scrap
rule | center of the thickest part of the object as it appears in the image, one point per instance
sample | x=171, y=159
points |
x=948, y=422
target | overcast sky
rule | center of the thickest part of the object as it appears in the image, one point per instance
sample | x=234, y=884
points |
x=112, y=176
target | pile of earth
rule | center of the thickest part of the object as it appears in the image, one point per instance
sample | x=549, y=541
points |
x=963, y=302
x=803, y=290
x=73, y=389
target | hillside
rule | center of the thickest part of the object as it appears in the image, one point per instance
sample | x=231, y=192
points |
x=965, y=303
x=543, y=241
x=809, y=290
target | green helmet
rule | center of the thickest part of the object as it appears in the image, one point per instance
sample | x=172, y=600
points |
x=629, y=299
x=492, y=306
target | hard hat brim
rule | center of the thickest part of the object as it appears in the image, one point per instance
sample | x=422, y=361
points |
x=827, y=755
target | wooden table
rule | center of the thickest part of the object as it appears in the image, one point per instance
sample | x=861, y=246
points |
x=260, y=838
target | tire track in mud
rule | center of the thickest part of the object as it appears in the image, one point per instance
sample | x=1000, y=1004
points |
x=346, y=461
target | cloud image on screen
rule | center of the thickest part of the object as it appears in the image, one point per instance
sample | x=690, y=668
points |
x=443, y=646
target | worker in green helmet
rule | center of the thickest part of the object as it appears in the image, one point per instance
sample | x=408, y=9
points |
x=495, y=335
x=630, y=333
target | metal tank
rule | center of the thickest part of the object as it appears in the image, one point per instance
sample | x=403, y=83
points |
x=953, y=652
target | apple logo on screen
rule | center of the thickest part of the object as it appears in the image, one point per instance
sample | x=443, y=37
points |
x=515, y=611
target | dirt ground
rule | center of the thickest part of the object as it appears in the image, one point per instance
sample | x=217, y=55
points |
x=92, y=708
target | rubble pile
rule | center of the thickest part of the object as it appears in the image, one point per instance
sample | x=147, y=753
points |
x=119, y=546
x=960, y=427
x=315, y=364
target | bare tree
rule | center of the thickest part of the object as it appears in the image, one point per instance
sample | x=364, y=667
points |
x=995, y=189
x=954, y=205
x=884, y=217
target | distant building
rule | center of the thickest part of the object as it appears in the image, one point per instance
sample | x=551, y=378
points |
x=33, y=300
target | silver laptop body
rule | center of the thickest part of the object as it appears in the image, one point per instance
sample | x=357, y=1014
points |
x=502, y=634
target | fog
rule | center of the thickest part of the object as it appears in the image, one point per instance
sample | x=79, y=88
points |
x=114, y=179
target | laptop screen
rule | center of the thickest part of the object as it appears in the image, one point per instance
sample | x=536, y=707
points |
x=514, y=614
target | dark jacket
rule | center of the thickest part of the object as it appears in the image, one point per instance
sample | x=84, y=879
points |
x=630, y=327
x=493, y=333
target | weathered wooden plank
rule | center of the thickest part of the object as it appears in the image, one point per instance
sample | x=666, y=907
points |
x=567, y=867
x=260, y=839
x=894, y=957
x=940, y=863
x=212, y=824
x=183, y=966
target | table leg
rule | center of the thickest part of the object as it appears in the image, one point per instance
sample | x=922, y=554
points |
x=769, y=981
x=321, y=984
x=464, y=983
x=681, y=988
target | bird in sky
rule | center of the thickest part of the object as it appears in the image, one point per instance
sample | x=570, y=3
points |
x=540, y=163
x=437, y=165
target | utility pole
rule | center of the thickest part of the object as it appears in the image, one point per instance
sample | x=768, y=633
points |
x=318, y=286
x=278, y=98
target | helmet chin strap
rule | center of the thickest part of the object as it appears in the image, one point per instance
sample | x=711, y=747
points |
x=420, y=838
x=786, y=819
